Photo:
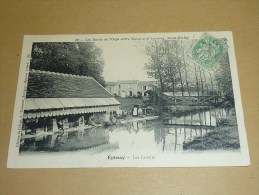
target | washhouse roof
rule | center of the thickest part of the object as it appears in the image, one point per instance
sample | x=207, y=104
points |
x=44, y=84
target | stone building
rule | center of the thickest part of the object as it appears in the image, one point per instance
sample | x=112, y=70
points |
x=130, y=88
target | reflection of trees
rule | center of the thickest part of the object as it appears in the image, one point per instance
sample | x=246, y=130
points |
x=171, y=137
x=90, y=138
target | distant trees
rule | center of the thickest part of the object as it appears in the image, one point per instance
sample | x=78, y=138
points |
x=169, y=65
x=156, y=66
x=223, y=77
x=81, y=58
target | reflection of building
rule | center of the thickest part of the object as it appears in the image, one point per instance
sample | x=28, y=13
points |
x=91, y=139
x=59, y=101
x=130, y=88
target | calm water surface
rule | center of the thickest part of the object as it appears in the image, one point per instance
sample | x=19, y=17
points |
x=157, y=136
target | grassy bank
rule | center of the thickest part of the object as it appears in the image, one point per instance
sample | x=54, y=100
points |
x=224, y=137
x=127, y=104
x=178, y=110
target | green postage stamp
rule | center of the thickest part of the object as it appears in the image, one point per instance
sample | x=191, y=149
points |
x=207, y=51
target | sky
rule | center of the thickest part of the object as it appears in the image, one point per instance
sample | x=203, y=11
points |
x=124, y=60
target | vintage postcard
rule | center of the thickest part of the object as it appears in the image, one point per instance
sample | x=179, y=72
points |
x=128, y=100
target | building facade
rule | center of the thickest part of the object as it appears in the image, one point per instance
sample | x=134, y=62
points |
x=144, y=86
x=130, y=88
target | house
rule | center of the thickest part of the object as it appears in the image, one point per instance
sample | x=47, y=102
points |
x=130, y=88
x=112, y=87
x=144, y=86
x=127, y=88
x=56, y=100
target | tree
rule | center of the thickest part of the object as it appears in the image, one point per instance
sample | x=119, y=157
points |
x=223, y=78
x=167, y=65
x=82, y=58
x=179, y=65
x=170, y=67
x=156, y=66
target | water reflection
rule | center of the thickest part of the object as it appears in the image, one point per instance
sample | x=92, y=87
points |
x=152, y=136
x=201, y=118
x=171, y=138
x=90, y=138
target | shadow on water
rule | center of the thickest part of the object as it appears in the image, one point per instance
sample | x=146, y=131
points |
x=153, y=136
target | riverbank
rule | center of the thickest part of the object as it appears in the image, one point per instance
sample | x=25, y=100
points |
x=137, y=119
x=127, y=104
x=179, y=110
x=222, y=138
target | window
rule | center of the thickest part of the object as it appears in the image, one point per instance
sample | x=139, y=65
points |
x=144, y=87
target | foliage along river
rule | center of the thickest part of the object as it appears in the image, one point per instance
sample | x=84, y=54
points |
x=141, y=136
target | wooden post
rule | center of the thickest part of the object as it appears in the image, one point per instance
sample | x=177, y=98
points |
x=81, y=121
x=184, y=132
x=107, y=116
x=54, y=125
x=200, y=117
x=65, y=123
x=205, y=118
x=175, y=139
x=210, y=117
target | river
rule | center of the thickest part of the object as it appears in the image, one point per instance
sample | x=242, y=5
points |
x=157, y=136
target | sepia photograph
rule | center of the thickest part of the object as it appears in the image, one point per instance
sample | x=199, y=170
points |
x=128, y=100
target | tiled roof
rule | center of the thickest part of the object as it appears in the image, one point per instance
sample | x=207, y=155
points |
x=43, y=84
x=35, y=108
x=110, y=83
x=140, y=83
x=146, y=83
x=63, y=103
x=127, y=81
